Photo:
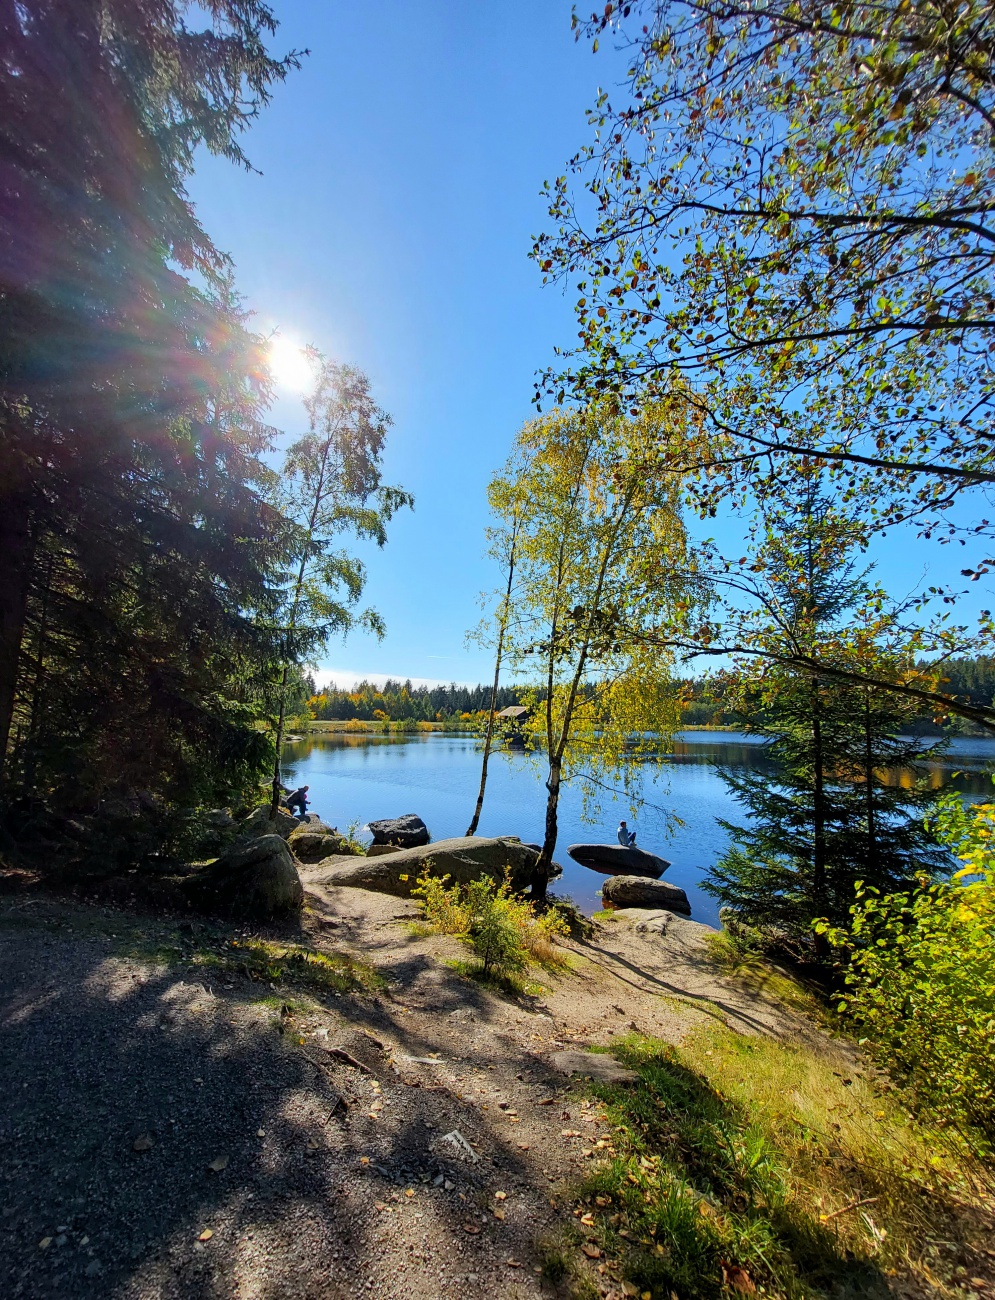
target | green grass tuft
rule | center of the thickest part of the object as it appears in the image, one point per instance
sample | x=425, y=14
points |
x=739, y=1163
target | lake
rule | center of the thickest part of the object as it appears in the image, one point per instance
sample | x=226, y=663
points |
x=360, y=778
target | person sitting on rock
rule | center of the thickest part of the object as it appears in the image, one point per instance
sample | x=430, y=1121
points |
x=298, y=800
x=626, y=837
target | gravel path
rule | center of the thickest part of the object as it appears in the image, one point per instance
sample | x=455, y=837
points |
x=175, y=1133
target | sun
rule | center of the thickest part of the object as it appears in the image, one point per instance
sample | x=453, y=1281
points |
x=289, y=365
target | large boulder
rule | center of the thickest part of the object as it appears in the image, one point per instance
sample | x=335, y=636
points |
x=638, y=891
x=407, y=832
x=616, y=860
x=259, y=823
x=309, y=845
x=467, y=858
x=256, y=879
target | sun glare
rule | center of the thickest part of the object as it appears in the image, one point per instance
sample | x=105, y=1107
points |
x=289, y=365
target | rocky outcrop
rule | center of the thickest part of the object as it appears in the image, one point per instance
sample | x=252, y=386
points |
x=379, y=850
x=407, y=832
x=313, y=841
x=637, y=891
x=615, y=860
x=314, y=846
x=464, y=859
x=259, y=822
x=256, y=879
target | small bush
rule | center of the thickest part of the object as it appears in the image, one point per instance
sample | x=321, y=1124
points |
x=502, y=930
x=920, y=978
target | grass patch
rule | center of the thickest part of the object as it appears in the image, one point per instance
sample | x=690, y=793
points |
x=745, y=1165
x=606, y=914
x=260, y=960
x=753, y=969
x=515, y=985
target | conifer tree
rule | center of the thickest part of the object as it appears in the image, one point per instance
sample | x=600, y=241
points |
x=845, y=799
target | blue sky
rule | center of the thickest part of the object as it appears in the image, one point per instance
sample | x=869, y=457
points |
x=390, y=225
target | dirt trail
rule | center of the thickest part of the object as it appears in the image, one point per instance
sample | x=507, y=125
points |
x=326, y=1122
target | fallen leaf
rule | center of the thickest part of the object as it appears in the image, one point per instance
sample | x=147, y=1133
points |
x=523, y=1146
x=736, y=1276
x=498, y=1213
x=513, y=1263
x=587, y=1220
x=260, y=1133
x=364, y=1160
x=219, y=1163
x=44, y=1243
x=547, y=1101
x=143, y=1143
x=500, y=1196
x=602, y=1200
x=471, y=1228
x=409, y=1192
x=591, y=1250
x=206, y=1235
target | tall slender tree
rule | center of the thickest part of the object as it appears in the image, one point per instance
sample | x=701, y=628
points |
x=331, y=486
x=504, y=547
x=602, y=565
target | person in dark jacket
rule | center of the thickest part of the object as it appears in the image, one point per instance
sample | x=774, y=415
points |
x=298, y=800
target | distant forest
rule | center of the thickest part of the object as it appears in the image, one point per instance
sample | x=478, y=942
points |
x=712, y=701
x=399, y=701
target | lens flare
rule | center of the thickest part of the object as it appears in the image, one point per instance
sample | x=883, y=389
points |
x=289, y=365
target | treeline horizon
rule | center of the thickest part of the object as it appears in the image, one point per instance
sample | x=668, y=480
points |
x=709, y=700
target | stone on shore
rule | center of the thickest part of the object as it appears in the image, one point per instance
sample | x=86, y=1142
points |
x=314, y=846
x=616, y=860
x=256, y=879
x=462, y=859
x=407, y=832
x=259, y=822
x=638, y=891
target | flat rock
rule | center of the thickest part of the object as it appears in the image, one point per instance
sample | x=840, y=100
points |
x=592, y=1065
x=615, y=860
x=381, y=850
x=407, y=832
x=462, y=859
x=638, y=891
x=663, y=922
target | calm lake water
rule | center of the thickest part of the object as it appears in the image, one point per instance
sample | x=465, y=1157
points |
x=360, y=778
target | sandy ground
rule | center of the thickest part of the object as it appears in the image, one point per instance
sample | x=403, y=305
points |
x=173, y=1135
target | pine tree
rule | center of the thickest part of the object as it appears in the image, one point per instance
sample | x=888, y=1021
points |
x=846, y=798
x=137, y=551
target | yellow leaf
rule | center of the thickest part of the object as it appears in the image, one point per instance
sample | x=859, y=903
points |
x=206, y=1235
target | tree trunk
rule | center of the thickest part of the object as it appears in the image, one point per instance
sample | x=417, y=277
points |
x=818, y=813
x=869, y=783
x=17, y=547
x=275, y=801
x=502, y=626
x=540, y=876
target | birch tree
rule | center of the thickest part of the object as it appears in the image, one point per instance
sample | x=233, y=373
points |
x=602, y=567
x=331, y=487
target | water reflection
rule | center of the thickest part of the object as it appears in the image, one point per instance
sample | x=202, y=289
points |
x=355, y=778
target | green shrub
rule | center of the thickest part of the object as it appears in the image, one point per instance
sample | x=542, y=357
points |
x=920, y=977
x=502, y=930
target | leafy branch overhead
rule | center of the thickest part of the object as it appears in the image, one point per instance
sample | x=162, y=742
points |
x=790, y=204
